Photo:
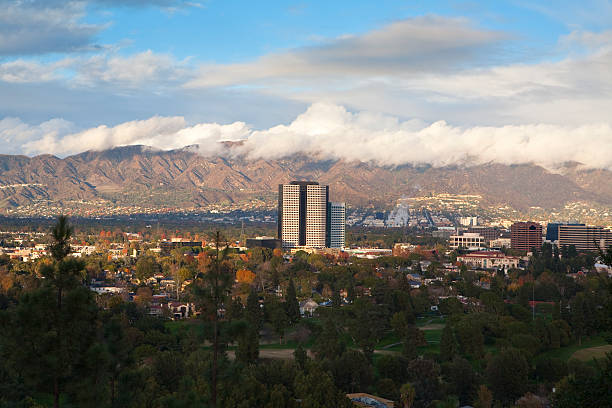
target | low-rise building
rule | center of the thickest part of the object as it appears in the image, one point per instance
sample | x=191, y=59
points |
x=468, y=240
x=490, y=260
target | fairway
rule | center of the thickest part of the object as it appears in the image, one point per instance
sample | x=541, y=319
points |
x=593, y=352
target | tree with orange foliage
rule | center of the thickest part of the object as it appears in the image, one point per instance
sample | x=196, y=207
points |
x=245, y=276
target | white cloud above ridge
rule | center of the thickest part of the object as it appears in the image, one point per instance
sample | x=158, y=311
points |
x=329, y=131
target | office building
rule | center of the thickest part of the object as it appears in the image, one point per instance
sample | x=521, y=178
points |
x=552, y=230
x=584, y=238
x=489, y=259
x=302, y=214
x=488, y=233
x=336, y=222
x=263, y=242
x=167, y=246
x=526, y=236
x=468, y=240
x=468, y=221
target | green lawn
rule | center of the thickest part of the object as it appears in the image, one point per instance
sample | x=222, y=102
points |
x=592, y=353
x=565, y=353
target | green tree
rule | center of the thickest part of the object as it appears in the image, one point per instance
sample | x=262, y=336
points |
x=146, y=267
x=365, y=325
x=448, y=343
x=253, y=312
x=301, y=356
x=407, y=395
x=462, y=379
x=277, y=317
x=291, y=303
x=586, y=390
x=507, y=374
x=316, y=389
x=329, y=343
x=248, y=345
x=211, y=289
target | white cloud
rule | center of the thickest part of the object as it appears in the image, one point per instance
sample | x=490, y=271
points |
x=134, y=70
x=37, y=27
x=331, y=132
x=419, y=44
x=15, y=134
x=159, y=132
x=144, y=68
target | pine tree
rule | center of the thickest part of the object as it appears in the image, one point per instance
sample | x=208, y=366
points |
x=291, y=303
x=301, y=356
x=253, y=311
x=448, y=344
x=248, y=346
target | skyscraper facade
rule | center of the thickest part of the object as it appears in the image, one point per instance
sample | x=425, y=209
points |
x=336, y=225
x=302, y=214
x=526, y=236
x=306, y=218
x=584, y=238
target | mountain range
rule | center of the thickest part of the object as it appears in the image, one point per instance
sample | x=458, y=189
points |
x=139, y=175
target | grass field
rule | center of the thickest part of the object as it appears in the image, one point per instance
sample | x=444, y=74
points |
x=591, y=353
x=565, y=353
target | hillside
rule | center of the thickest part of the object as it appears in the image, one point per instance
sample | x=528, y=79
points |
x=134, y=175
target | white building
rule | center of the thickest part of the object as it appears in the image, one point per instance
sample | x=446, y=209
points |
x=336, y=225
x=469, y=240
x=302, y=214
x=490, y=260
x=468, y=221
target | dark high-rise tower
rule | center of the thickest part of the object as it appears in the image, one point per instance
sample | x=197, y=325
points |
x=526, y=236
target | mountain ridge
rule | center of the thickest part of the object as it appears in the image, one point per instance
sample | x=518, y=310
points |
x=198, y=181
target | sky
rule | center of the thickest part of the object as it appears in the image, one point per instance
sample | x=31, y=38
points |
x=389, y=81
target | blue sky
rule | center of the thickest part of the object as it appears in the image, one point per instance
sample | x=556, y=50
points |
x=72, y=67
x=234, y=31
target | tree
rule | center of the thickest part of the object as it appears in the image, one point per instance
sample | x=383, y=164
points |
x=62, y=275
x=462, y=379
x=407, y=395
x=235, y=310
x=316, y=389
x=248, y=345
x=424, y=375
x=507, y=374
x=253, y=312
x=211, y=290
x=484, y=398
x=448, y=343
x=301, y=356
x=586, y=390
x=365, y=326
x=352, y=371
x=278, y=317
x=413, y=338
x=146, y=266
x=291, y=303
x=329, y=344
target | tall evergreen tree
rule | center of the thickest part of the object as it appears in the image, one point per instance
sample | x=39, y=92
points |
x=248, y=346
x=253, y=312
x=211, y=289
x=291, y=303
x=448, y=344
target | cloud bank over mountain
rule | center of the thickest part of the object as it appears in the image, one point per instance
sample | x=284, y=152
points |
x=330, y=131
